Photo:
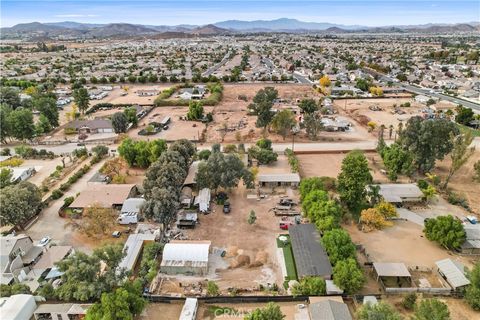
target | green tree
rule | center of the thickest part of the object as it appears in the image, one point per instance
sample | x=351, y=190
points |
x=82, y=99
x=262, y=106
x=313, y=125
x=378, y=311
x=353, y=179
x=21, y=124
x=431, y=309
x=20, y=202
x=9, y=97
x=47, y=106
x=472, y=293
x=461, y=152
x=204, y=154
x=397, y=161
x=309, y=106
x=309, y=184
x=464, y=115
x=119, y=122
x=131, y=114
x=428, y=141
x=100, y=151
x=6, y=175
x=195, y=111
x=446, y=230
x=313, y=198
x=43, y=125
x=5, y=128
x=263, y=152
x=310, y=286
x=270, y=312
x=252, y=217
x=124, y=303
x=348, y=276
x=283, y=122
x=339, y=245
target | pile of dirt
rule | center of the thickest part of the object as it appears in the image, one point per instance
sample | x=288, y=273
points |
x=232, y=251
x=240, y=261
x=260, y=259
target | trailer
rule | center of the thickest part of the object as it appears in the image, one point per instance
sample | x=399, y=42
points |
x=291, y=213
x=128, y=218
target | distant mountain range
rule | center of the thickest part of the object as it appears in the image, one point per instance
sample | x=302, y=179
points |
x=72, y=30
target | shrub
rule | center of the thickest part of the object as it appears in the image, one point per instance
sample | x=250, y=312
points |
x=13, y=162
x=212, y=289
x=67, y=201
x=56, y=194
x=409, y=301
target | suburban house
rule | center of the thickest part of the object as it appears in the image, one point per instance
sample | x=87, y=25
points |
x=279, y=180
x=400, y=193
x=453, y=272
x=17, y=307
x=310, y=257
x=61, y=311
x=147, y=92
x=195, y=93
x=105, y=196
x=91, y=126
x=331, y=308
x=17, y=255
x=185, y=257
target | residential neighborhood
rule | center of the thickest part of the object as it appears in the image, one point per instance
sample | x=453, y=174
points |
x=263, y=169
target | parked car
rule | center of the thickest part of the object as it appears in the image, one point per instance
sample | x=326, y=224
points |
x=116, y=234
x=44, y=241
x=226, y=207
x=286, y=202
x=284, y=225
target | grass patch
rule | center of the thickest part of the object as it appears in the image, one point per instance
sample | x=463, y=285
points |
x=289, y=260
x=464, y=129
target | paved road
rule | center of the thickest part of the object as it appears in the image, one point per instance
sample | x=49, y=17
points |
x=301, y=78
x=215, y=67
x=426, y=91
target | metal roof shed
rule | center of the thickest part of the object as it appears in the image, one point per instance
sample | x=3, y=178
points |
x=134, y=246
x=17, y=307
x=310, y=257
x=203, y=200
x=329, y=310
x=383, y=269
x=453, y=272
x=185, y=257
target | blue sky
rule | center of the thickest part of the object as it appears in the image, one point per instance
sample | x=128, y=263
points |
x=370, y=13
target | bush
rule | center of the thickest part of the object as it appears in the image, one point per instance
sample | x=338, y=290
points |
x=409, y=301
x=67, y=201
x=212, y=289
x=13, y=162
x=422, y=184
x=56, y=194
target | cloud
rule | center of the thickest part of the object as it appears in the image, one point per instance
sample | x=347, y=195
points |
x=76, y=15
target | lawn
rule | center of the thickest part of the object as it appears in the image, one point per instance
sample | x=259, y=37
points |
x=463, y=129
x=289, y=260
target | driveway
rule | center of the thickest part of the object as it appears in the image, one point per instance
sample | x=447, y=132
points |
x=51, y=224
x=411, y=216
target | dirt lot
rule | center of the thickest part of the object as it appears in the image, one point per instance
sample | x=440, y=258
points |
x=115, y=96
x=233, y=112
x=254, y=245
x=317, y=165
x=404, y=242
x=462, y=182
x=162, y=311
x=178, y=129
x=459, y=310
x=360, y=107
x=43, y=167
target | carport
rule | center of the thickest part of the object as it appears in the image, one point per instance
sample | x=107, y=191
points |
x=392, y=275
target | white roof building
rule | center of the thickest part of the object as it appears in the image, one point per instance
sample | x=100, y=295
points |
x=185, y=257
x=17, y=307
x=203, y=200
x=189, y=310
x=132, y=205
x=453, y=272
x=134, y=246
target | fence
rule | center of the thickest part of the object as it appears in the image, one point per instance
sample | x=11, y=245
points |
x=431, y=291
x=228, y=299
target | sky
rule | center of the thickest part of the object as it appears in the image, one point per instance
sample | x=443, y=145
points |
x=197, y=12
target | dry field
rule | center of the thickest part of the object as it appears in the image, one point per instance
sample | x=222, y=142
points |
x=251, y=249
x=178, y=129
x=115, y=96
x=242, y=309
x=360, y=107
x=330, y=164
x=462, y=182
x=403, y=242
